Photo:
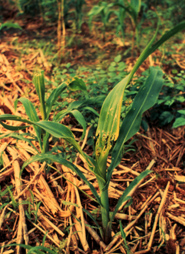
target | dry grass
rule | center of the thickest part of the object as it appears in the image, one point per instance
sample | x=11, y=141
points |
x=154, y=223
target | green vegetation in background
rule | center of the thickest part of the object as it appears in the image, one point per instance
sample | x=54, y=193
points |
x=118, y=8
x=170, y=105
x=170, y=96
x=104, y=10
x=48, y=10
x=8, y=25
x=113, y=16
x=111, y=137
x=171, y=10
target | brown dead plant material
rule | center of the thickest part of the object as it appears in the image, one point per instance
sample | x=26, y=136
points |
x=68, y=203
x=22, y=233
x=179, y=56
x=153, y=223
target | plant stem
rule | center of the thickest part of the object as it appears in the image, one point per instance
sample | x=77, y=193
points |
x=105, y=214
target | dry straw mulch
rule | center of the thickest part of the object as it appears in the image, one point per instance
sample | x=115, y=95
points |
x=155, y=221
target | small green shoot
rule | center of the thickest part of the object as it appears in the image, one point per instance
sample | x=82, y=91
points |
x=124, y=238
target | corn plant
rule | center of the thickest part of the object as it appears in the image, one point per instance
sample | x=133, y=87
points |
x=78, y=13
x=121, y=14
x=111, y=134
x=46, y=107
x=104, y=10
x=132, y=8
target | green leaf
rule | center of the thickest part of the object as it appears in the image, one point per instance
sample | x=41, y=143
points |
x=113, y=63
x=3, y=193
x=21, y=245
x=68, y=65
x=13, y=118
x=13, y=128
x=38, y=81
x=79, y=117
x=77, y=84
x=145, y=99
x=136, y=6
x=181, y=111
x=15, y=104
x=40, y=250
x=33, y=250
x=180, y=99
x=166, y=117
x=121, y=66
x=109, y=122
x=60, y=131
x=112, y=68
x=150, y=48
x=62, y=161
x=117, y=58
x=32, y=114
x=167, y=36
x=92, y=218
x=76, y=105
x=125, y=194
x=95, y=10
x=19, y=136
x=30, y=109
x=91, y=110
x=56, y=129
x=14, y=202
x=53, y=97
x=72, y=106
x=124, y=238
x=180, y=121
x=124, y=7
x=10, y=24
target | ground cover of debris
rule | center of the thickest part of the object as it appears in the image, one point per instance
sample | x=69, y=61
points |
x=154, y=223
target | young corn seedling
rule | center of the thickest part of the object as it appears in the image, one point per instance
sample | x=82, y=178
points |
x=132, y=8
x=104, y=10
x=46, y=106
x=78, y=13
x=111, y=136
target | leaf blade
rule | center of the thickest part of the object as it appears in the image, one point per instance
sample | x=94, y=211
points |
x=53, y=97
x=38, y=81
x=32, y=114
x=58, y=159
x=144, y=100
x=79, y=117
x=125, y=194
